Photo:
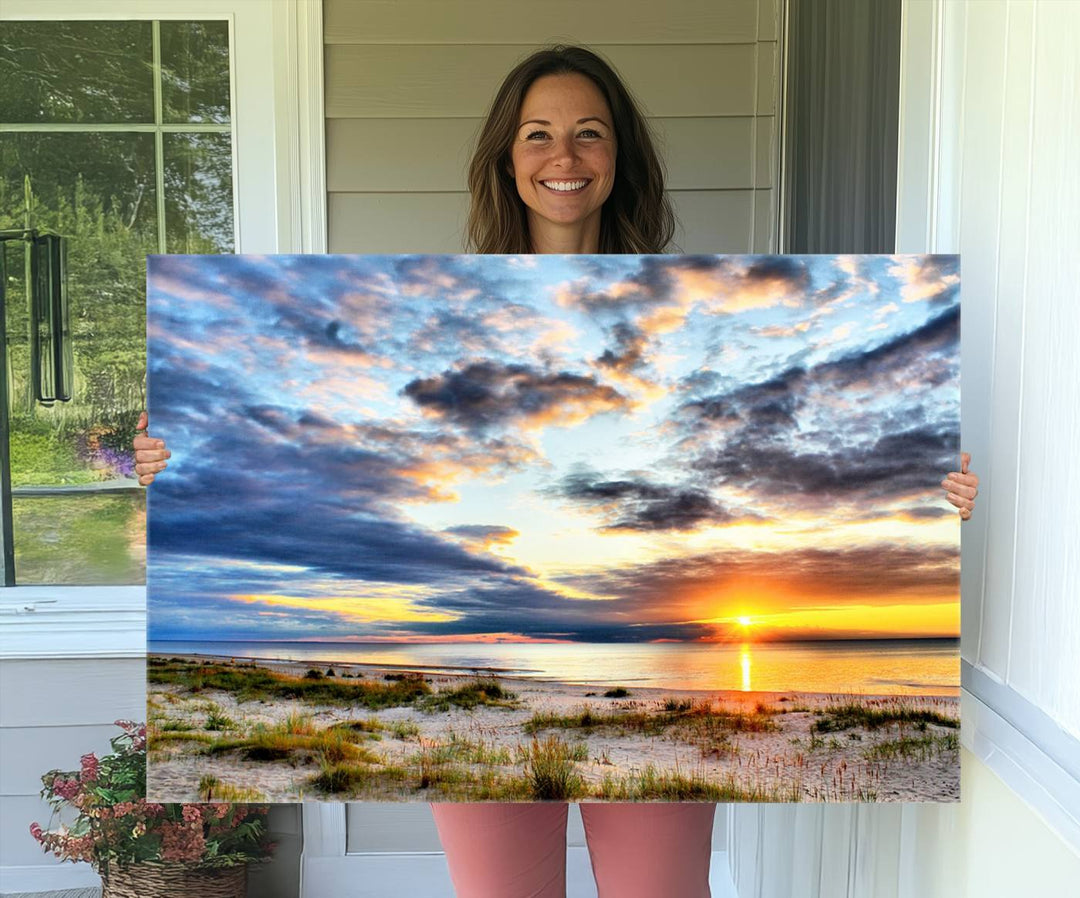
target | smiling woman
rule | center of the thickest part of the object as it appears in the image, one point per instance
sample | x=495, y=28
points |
x=561, y=117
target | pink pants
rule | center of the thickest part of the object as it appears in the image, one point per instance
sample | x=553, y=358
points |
x=519, y=850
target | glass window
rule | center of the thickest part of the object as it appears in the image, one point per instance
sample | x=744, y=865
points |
x=117, y=136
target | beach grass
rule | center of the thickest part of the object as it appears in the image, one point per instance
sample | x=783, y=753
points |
x=551, y=771
x=920, y=748
x=259, y=684
x=696, y=719
x=873, y=715
x=483, y=691
x=213, y=789
x=653, y=785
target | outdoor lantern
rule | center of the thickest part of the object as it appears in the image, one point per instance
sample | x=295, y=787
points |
x=50, y=334
x=51, y=362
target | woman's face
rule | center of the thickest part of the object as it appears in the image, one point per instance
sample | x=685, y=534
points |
x=563, y=155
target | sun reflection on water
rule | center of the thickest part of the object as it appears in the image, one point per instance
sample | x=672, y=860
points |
x=745, y=660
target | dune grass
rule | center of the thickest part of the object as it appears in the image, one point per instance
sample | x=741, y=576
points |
x=483, y=691
x=652, y=785
x=213, y=789
x=259, y=684
x=874, y=715
x=694, y=719
x=921, y=748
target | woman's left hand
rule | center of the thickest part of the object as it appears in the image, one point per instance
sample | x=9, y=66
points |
x=961, y=488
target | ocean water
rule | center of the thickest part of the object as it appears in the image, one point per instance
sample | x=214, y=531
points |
x=885, y=667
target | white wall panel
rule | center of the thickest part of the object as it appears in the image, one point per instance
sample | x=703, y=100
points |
x=1013, y=216
x=1045, y=636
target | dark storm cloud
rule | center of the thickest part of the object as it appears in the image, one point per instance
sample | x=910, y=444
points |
x=483, y=395
x=638, y=504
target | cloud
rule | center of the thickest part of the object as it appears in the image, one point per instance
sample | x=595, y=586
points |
x=484, y=395
x=794, y=436
x=628, y=352
x=636, y=503
x=933, y=279
x=486, y=536
x=791, y=580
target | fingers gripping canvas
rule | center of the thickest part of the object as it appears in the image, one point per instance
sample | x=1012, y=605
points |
x=626, y=528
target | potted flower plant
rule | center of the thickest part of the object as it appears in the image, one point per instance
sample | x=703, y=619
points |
x=143, y=848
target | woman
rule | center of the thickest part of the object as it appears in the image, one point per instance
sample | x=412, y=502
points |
x=565, y=164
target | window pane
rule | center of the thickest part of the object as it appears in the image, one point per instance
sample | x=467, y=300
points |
x=195, y=71
x=198, y=193
x=81, y=540
x=98, y=191
x=76, y=72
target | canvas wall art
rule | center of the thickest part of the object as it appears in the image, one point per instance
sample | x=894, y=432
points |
x=615, y=528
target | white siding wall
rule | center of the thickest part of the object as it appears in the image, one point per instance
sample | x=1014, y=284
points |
x=990, y=138
x=408, y=82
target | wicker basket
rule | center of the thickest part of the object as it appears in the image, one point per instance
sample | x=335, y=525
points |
x=150, y=880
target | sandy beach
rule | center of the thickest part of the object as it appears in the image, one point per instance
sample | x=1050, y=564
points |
x=504, y=738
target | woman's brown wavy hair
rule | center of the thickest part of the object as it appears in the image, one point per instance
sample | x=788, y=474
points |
x=637, y=216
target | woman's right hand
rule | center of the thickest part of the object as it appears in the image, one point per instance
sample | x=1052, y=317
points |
x=150, y=454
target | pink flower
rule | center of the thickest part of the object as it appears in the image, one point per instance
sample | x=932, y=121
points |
x=36, y=832
x=89, y=768
x=181, y=842
x=191, y=814
x=65, y=788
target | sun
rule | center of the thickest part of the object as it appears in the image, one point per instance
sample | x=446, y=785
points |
x=744, y=621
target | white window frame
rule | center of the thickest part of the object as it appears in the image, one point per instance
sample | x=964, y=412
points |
x=279, y=207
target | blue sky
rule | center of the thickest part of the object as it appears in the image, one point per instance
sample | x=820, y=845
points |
x=610, y=448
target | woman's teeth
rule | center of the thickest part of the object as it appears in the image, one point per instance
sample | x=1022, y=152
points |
x=564, y=186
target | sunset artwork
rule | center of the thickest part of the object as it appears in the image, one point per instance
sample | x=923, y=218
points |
x=512, y=528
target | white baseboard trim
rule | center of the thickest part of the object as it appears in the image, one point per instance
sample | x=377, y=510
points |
x=41, y=878
x=1040, y=774
x=425, y=875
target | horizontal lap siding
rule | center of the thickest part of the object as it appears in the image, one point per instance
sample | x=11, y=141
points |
x=520, y=22
x=53, y=712
x=408, y=82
